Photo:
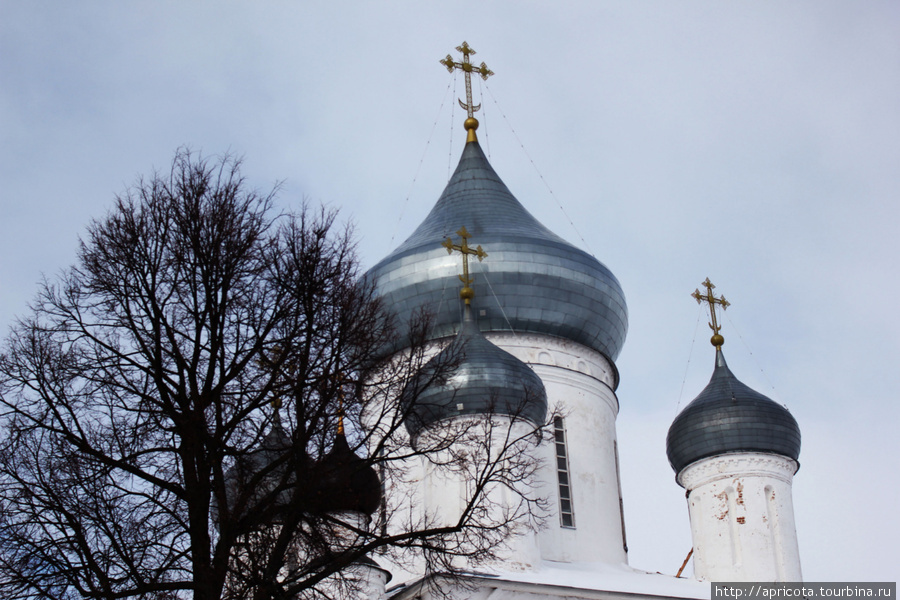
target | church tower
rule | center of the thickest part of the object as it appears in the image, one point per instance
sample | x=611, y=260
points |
x=548, y=304
x=488, y=404
x=735, y=451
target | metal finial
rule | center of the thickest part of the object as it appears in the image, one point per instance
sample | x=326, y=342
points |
x=338, y=378
x=276, y=409
x=467, y=293
x=468, y=68
x=270, y=363
x=717, y=340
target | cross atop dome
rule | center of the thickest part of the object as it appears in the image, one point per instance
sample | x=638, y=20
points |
x=467, y=293
x=543, y=283
x=467, y=68
x=717, y=340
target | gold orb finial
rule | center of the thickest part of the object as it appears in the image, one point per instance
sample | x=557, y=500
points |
x=471, y=124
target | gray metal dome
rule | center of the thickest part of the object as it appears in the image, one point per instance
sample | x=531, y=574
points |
x=345, y=482
x=534, y=280
x=268, y=477
x=728, y=416
x=265, y=474
x=472, y=376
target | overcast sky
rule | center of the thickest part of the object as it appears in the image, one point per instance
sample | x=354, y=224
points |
x=756, y=143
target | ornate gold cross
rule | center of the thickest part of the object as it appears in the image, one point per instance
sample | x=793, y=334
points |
x=269, y=363
x=467, y=68
x=339, y=379
x=276, y=410
x=467, y=293
x=717, y=340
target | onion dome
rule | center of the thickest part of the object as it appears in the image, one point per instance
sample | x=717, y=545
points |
x=264, y=469
x=538, y=282
x=339, y=482
x=472, y=376
x=345, y=482
x=728, y=416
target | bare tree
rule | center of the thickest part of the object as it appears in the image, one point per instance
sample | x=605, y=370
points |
x=142, y=456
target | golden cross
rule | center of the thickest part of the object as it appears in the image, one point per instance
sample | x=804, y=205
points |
x=467, y=68
x=268, y=363
x=339, y=377
x=276, y=410
x=717, y=340
x=466, y=293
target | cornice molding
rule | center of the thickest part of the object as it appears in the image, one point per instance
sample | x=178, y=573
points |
x=737, y=464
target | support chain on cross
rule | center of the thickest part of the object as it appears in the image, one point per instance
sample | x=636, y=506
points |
x=466, y=293
x=716, y=340
x=468, y=68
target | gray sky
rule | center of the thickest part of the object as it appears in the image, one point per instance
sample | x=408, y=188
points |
x=757, y=143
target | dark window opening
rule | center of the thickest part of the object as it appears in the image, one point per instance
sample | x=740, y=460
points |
x=621, y=504
x=566, y=511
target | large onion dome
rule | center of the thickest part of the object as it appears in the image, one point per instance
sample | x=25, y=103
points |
x=345, y=482
x=472, y=376
x=728, y=416
x=537, y=281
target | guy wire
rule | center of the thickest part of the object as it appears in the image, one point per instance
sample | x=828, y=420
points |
x=549, y=189
x=418, y=169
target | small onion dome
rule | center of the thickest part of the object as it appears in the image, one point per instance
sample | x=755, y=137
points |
x=257, y=470
x=346, y=482
x=544, y=284
x=480, y=378
x=728, y=416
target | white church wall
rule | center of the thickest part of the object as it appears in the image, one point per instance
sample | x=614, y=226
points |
x=742, y=517
x=366, y=582
x=430, y=493
x=579, y=385
x=447, y=490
